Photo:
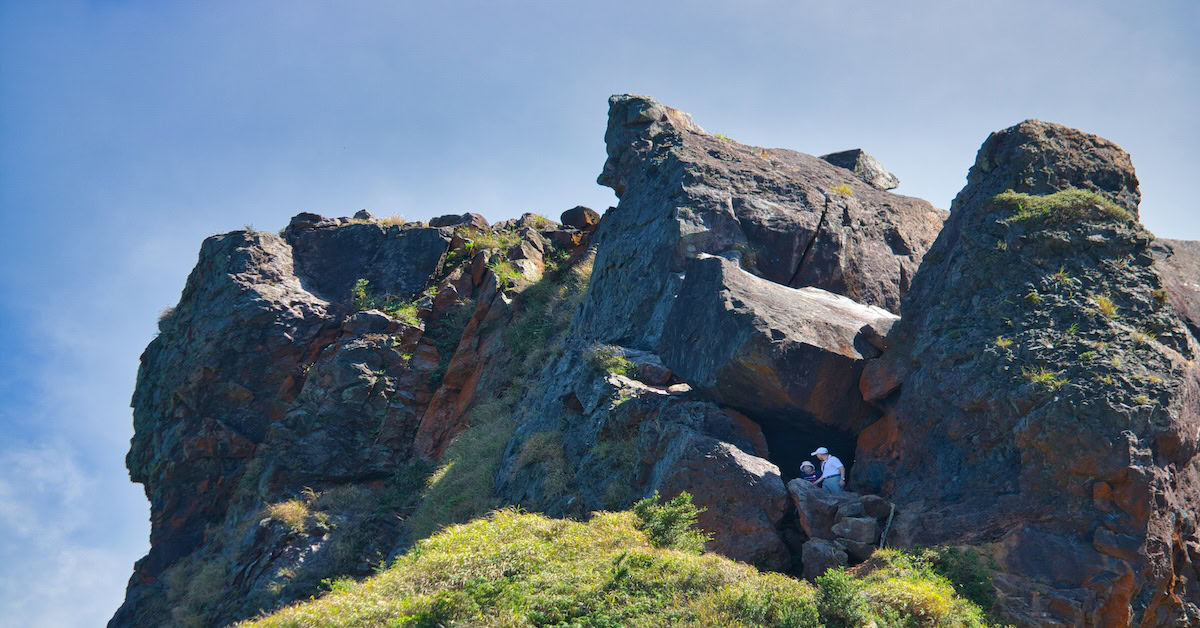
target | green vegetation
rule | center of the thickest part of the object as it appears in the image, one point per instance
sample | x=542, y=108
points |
x=1062, y=277
x=515, y=569
x=294, y=513
x=1160, y=297
x=395, y=307
x=842, y=190
x=1104, y=305
x=1142, y=400
x=1003, y=342
x=546, y=450
x=462, y=487
x=1001, y=245
x=605, y=360
x=671, y=524
x=1033, y=297
x=1141, y=336
x=507, y=275
x=1044, y=376
x=490, y=240
x=447, y=335
x=1087, y=356
x=394, y=219
x=722, y=137
x=1064, y=207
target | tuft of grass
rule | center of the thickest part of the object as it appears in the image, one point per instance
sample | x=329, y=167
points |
x=605, y=360
x=1141, y=336
x=1104, y=305
x=294, y=513
x=1063, y=207
x=491, y=240
x=1001, y=245
x=1142, y=400
x=1003, y=342
x=1087, y=355
x=1044, y=376
x=672, y=523
x=1061, y=277
x=363, y=299
x=722, y=137
x=842, y=190
x=1033, y=297
x=507, y=275
x=395, y=219
x=1160, y=297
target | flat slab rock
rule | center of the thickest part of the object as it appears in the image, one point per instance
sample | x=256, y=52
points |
x=770, y=350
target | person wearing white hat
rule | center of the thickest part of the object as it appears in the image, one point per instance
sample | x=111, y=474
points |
x=833, y=472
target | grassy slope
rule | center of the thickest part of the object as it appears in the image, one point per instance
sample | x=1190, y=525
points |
x=517, y=569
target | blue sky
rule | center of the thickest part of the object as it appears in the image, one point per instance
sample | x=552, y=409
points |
x=129, y=131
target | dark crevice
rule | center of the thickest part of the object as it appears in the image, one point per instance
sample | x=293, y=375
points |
x=809, y=246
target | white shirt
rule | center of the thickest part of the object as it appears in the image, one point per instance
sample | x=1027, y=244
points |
x=831, y=467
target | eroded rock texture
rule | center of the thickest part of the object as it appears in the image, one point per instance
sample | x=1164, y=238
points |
x=744, y=347
x=1049, y=401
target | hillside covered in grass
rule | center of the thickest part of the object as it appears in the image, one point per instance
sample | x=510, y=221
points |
x=521, y=569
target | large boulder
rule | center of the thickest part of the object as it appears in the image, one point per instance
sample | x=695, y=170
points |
x=1046, y=393
x=792, y=355
x=790, y=218
x=865, y=167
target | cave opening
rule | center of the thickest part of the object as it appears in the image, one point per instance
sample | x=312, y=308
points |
x=791, y=442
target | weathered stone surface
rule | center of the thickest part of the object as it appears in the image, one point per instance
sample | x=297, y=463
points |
x=769, y=350
x=684, y=192
x=820, y=555
x=860, y=529
x=1178, y=262
x=580, y=217
x=1019, y=393
x=229, y=359
x=395, y=260
x=865, y=167
x=816, y=507
x=469, y=219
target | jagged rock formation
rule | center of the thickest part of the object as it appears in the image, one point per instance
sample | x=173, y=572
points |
x=864, y=167
x=321, y=399
x=1049, y=403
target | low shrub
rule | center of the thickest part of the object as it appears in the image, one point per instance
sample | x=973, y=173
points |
x=671, y=524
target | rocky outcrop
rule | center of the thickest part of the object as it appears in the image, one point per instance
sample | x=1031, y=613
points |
x=791, y=355
x=1048, y=403
x=864, y=167
x=318, y=401
x=790, y=218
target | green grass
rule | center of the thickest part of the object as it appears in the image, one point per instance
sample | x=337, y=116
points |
x=842, y=190
x=507, y=275
x=402, y=309
x=516, y=569
x=605, y=360
x=1044, y=376
x=1104, y=305
x=491, y=240
x=1141, y=336
x=1064, y=207
x=1003, y=342
x=722, y=137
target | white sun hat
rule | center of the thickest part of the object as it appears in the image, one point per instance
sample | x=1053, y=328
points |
x=820, y=450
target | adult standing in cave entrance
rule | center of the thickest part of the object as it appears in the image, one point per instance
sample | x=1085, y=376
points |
x=833, y=472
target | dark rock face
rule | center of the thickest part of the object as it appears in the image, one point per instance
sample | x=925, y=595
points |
x=769, y=350
x=1049, y=405
x=396, y=260
x=229, y=360
x=790, y=218
x=259, y=393
x=864, y=167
